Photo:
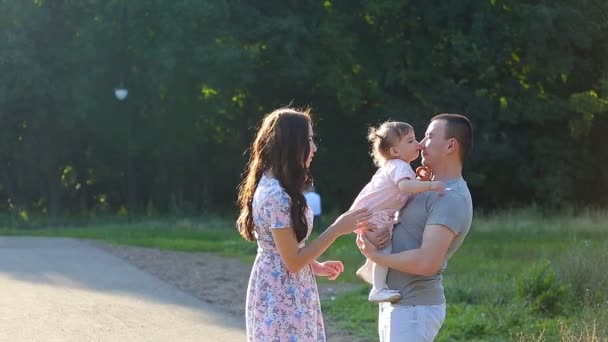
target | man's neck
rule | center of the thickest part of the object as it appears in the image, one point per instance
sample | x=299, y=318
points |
x=446, y=172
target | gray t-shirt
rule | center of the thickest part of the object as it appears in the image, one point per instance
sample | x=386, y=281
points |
x=454, y=210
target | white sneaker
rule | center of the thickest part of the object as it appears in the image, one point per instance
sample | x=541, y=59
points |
x=365, y=273
x=384, y=295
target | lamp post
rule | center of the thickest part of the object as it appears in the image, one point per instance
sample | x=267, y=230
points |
x=121, y=92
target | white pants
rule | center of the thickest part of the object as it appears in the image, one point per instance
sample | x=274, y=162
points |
x=409, y=323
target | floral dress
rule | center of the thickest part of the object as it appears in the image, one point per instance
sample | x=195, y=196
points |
x=281, y=306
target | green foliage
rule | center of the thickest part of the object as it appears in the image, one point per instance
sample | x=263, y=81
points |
x=540, y=288
x=201, y=74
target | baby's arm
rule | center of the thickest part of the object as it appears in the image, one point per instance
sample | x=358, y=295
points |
x=414, y=186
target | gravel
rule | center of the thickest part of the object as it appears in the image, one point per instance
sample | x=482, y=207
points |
x=214, y=279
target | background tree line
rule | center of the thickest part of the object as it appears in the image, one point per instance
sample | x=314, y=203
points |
x=531, y=75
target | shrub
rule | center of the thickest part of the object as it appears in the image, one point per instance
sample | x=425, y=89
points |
x=541, y=289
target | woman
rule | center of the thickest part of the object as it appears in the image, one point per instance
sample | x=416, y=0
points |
x=282, y=298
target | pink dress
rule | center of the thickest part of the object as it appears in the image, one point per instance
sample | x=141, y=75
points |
x=281, y=306
x=382, y=194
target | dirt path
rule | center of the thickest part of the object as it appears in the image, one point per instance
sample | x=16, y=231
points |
x=61, y=289
x=194, y=272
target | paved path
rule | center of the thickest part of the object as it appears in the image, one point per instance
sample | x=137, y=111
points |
x=57, y=289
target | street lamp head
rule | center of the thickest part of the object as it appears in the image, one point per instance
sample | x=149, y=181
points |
x=121, y=92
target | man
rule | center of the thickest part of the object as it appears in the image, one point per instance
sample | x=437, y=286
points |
x=431, y=228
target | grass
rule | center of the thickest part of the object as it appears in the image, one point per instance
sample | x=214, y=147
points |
x=520, y=276
x=517, y=276
x=211, y=235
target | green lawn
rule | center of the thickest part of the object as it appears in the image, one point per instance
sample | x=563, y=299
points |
x=181, y=235
x=518, y=276
x=515, y=278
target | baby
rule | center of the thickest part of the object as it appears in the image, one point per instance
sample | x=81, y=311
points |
x=394, y=146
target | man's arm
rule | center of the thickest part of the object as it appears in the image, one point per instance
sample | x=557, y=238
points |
x=426, y=260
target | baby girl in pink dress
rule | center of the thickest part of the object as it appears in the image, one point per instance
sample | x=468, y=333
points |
x=394, y=146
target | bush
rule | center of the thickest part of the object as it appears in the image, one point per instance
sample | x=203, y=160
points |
x=541, y=289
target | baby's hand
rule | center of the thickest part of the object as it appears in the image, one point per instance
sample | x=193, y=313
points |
x=438, y=186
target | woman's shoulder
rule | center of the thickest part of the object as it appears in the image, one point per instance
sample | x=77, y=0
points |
x=270, y=189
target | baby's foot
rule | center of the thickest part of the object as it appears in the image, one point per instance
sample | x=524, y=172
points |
x=365, y=273
x=384, y=295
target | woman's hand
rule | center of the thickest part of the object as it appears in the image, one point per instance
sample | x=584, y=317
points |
x=330, y=269
x=352, y=220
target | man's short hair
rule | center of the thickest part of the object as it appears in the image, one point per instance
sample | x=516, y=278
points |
x=458, y=127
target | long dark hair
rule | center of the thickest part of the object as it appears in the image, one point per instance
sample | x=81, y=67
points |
x=282, y=146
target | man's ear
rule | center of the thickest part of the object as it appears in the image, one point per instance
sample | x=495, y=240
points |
x=452, y=145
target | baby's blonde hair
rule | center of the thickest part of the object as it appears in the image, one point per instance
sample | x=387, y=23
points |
x=385, y=136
